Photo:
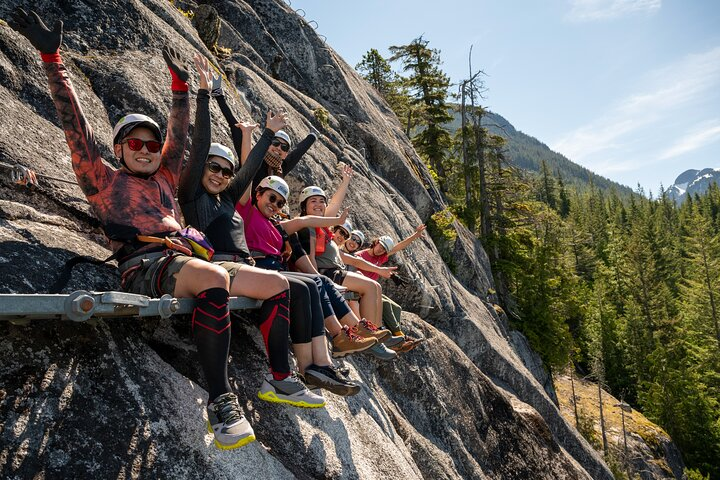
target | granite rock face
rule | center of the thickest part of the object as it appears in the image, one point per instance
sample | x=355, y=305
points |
x=124, y=398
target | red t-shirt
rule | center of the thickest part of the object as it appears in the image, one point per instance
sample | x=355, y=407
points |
x=379, y=261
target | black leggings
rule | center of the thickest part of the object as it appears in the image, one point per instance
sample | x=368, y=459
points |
x=332, y=301
x=306, y=312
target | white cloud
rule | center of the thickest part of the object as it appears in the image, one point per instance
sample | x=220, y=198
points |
x=597, y=10
x=698, y=137
x=668, y=91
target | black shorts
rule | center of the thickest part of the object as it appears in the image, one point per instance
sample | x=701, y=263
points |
x=337, y=275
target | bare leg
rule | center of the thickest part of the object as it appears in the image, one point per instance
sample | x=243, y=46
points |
x=355, y=307
x=370, y=295
x=257, y=283
x=198, y=275
x=303, y=355
x=333, y=325
x=321, y=355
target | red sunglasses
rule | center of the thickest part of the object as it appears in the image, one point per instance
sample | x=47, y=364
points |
x=136, y=144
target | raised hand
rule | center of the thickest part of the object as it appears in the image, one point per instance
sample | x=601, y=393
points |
x=247, y=127
x=204, y=71
x=276, y=122
x=178, y=69
x=419, y=230
x=34, y=29
x=343, y=216
x=347, y=173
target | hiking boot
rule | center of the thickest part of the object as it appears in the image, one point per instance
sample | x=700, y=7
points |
x=366, y=328
x=290, y=390
x=408, y=344
x=328, y=378
x=381, y=352
x=347, y=342
x=394, y=340
x=227, y=422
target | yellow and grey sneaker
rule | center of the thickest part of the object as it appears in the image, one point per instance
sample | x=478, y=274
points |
x=367, y=329
x=289, y=390
x=227, y=422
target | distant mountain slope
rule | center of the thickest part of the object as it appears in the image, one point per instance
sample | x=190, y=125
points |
x=691, y=182
x=528, y=152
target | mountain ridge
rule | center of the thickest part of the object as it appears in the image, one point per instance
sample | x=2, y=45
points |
x=527, y=152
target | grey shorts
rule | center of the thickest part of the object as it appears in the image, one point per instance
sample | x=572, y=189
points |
x=154, y=276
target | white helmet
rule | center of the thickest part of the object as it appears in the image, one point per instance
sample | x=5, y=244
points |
x=128, y=122
x=347, y=226
x=312, y=191
x=219, y=150
x=360, y=235
x=283, y=136
x=387, y=243
x=275, y=183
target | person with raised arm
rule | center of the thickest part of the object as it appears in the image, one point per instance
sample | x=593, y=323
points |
x=329, y=260
x=279, y=160
x=267, y=241
x=378, y=253
x=348, y=336
x=136, y=203
x=210, y=186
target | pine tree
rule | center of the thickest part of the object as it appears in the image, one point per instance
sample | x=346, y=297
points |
x=429, y=88
x=377, y=71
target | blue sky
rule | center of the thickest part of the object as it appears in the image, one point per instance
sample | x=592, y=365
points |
x=627, y=88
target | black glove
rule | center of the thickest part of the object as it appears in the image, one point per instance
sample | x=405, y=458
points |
x=399, y=281
x=178, y=69
x=216, y=85
x=32, y=28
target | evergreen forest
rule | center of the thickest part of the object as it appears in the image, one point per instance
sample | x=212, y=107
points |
x=619, y=285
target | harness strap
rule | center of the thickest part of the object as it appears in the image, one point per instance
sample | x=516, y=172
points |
x=123, y=254
x=168, y=242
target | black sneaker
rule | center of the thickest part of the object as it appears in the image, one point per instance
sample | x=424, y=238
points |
x=328, y=378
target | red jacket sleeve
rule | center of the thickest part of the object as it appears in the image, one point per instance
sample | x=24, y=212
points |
x=92, y=174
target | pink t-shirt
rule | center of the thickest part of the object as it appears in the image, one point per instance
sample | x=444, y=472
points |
x=379, y=261
x=260, y=233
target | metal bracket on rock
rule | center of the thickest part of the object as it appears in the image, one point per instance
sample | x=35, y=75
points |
x=81, y=305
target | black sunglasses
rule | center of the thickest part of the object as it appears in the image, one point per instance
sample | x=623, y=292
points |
x=341, y=231
x=216, y=167
x=283, y=146
x=356, y=239
x=279, y=201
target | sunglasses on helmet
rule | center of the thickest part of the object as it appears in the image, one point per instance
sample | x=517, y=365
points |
x=216, y=167
x=277, y=200
x=135, y=144
x=279, y=143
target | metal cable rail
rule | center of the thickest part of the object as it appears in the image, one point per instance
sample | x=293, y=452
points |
x=82, y=305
